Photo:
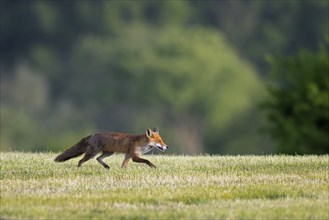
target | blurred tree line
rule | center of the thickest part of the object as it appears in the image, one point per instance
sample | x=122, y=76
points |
x=298, y=105
x=196, y=69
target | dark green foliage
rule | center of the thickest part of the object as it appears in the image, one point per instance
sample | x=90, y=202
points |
x=257, y=28
x=298, y=108
x=69, y=68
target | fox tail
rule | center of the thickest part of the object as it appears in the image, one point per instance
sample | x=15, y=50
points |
x=75, y=151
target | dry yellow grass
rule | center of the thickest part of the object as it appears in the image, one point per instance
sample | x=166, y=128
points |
x=198, y=187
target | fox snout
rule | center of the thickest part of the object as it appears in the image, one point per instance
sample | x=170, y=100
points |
x=161, y=147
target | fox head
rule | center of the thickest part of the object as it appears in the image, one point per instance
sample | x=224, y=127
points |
x=155, y=140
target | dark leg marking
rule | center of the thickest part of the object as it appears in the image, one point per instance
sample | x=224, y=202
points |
x=141, y=160
x=105, y=154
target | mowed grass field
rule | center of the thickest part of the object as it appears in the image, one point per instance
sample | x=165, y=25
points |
x=187, y=187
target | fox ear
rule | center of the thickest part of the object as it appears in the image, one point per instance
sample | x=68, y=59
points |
x=156, y=130
x=149, y=133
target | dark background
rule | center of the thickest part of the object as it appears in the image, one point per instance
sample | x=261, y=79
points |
x=228, y=77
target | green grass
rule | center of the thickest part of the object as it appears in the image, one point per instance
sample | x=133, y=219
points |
x=197, y=187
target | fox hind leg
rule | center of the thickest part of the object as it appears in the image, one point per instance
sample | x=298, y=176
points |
x=105, y=154
x=87, y=157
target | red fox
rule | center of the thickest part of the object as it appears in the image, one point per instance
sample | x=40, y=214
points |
x=108, y=143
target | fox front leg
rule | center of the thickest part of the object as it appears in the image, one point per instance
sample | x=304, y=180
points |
x=141, y=160
x=126, y=160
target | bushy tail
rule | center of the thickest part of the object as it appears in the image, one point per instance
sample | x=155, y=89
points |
x=75, y=151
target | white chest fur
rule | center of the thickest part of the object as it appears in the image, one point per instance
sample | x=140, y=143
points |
x=145, y=149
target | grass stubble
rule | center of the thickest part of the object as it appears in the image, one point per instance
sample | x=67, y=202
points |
x=32, y=186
